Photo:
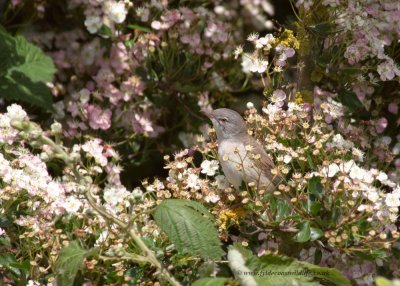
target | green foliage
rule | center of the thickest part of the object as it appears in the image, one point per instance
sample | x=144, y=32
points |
x=70, y=261
x=273, y=270
x=189, y=226
x=304, y=234
x=350, y=100
x=24, y=70
x=381, y=281
x=220, y=281
x=315, y=187
x=18, y=270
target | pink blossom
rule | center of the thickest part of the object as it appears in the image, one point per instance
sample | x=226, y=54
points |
x=397, y=163
x=393, y=108
x=119, y=58
x=381, y=125
x=157, y=25
x=142, y=124
x=16, y=2
x=386, y=70
x=113, y=94
x=99, y=119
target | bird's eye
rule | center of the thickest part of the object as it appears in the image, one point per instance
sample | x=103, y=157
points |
x=222, y=120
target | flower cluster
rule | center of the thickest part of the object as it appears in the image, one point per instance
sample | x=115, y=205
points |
x=50, y=210
x=282, y=48
x=323, y=172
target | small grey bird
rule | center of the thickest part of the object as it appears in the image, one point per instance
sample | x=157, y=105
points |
x=242, y=158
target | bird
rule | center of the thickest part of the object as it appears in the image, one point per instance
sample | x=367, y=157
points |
x=242, y=158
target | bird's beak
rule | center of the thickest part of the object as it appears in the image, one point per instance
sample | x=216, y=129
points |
x=207, y=112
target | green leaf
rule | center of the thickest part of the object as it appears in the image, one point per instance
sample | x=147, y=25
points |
x=350, y=100
x=313, y=207
x=325, y=274
x=282, y=210
x=270, y=270
x=138, y=27
x=189, y=226
x=70, y=261
x=279, y=270
x=220, y=281
x=317, y=256
x=315, y=233
x=24, y=71
x=304, y=234
x=322, y=28
x=315, y=187
x=105, y=31
x=382, y=281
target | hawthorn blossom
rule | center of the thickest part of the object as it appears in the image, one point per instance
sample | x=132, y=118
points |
x=339, y=142
x=381, y=125
x=393, y=200
x=95, y=149
x=16, y=113
x=98, y=118
x=116, y=11
x=251, y=64
x=331, y=170
x=278, y=97
x=192, y=181
x=212, y=198
x=72, y=204
x=93, y=24
x=393, y=108
x=387, y=70
x=114, y=195
x=209, y=167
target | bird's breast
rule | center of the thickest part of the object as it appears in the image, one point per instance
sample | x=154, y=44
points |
x=238, y=165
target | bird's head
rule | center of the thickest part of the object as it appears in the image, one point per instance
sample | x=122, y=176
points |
x=227, y=123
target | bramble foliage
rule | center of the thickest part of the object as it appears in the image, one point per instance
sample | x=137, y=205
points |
x=25, y=70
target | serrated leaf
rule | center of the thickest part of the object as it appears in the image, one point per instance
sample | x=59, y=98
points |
x=189, y=226
x=270, y=270
x=279, y=270
x=69, y=262
x=325, y=274
x=220, y=281
x=304, y=234
x=25, y=69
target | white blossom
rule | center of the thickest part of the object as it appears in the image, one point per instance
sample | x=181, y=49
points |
x=212, y=198
x=72, y=204
x=93, y=24
x=331, y=170
x=339, y=142
x=209, y=167
x=116, y=11
x=16, y=113
x=115, y=194
x=392, y=200
x=192, y=181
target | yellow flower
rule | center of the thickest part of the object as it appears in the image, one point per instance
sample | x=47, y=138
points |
x=230, y=216
x=288, y=39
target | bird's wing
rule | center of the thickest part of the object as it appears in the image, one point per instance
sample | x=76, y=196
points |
x=265, y=162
